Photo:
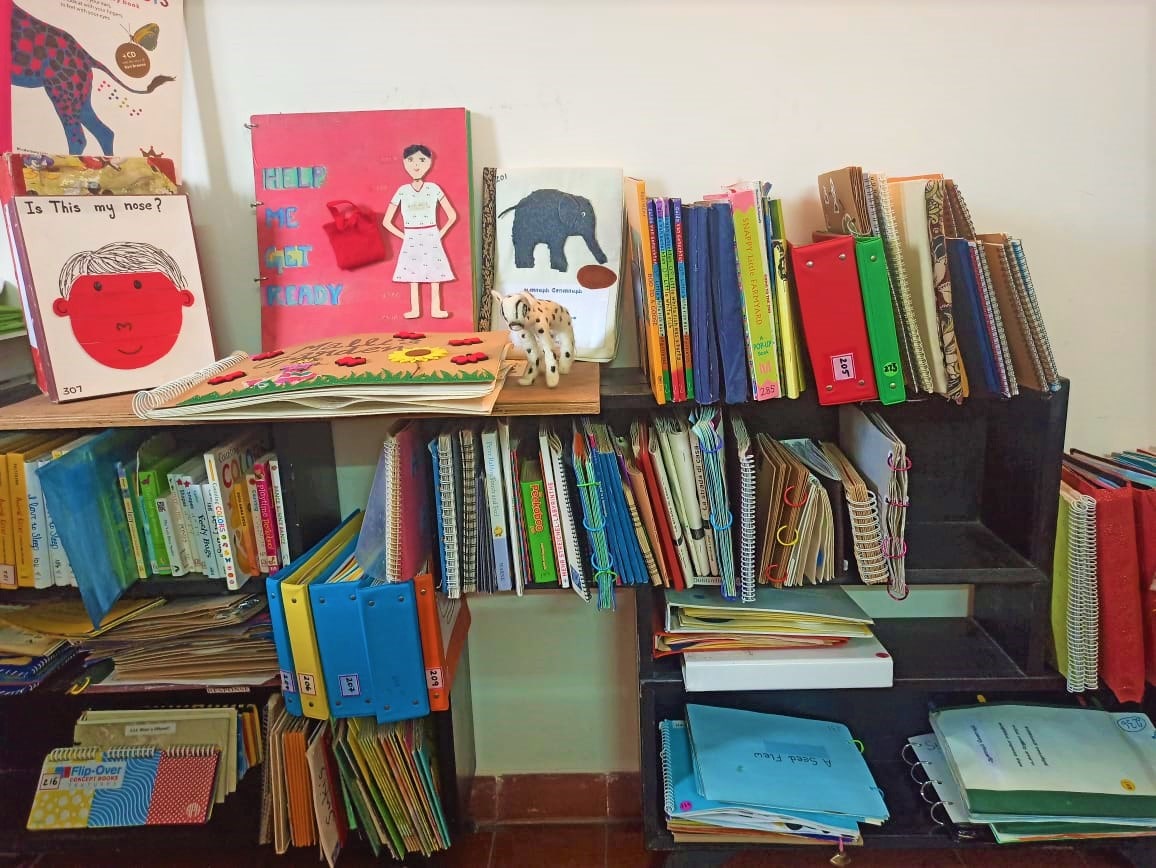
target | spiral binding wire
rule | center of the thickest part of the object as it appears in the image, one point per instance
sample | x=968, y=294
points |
x=1022, y=318
x=664, y=759
x=1035, y=319
x=449, y=516
x=107, y=754
x=393, y=528
x=1083, y=597
x=747, y=538
x=899, y=279
x=144, y=403
x=469, y=518
x=566, y=510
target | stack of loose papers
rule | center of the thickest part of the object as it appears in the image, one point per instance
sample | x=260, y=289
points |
x=1042, y=773
x=787, y=638
x=741, y=776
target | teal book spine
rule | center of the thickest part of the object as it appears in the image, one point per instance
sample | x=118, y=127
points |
x=683, y=293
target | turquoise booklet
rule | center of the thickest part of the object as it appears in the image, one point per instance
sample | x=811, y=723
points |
x=683, y=800
x=781, y=763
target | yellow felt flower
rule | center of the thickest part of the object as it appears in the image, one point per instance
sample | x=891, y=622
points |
x=417, y=354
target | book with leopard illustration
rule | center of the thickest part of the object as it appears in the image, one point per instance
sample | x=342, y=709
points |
x=404, y=371
x=98, y=78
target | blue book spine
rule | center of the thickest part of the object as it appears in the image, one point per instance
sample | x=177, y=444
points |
x=706, y=374
x=677, y=234
x=284, y=653
x=970, y=329
x=728, y=305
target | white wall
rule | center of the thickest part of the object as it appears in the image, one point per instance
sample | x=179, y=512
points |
x=1042, y=112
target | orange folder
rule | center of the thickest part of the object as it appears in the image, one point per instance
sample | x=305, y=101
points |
x=444, y=625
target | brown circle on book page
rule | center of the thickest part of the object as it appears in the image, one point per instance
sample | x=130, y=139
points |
x=133, y=60
x=596, y=277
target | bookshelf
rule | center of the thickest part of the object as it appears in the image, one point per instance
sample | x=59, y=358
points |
x=984, y=487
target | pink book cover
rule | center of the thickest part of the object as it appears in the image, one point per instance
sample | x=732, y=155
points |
x=363, y=223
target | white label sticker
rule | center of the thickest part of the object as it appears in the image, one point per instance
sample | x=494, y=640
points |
x=843, y=367
x=287, y=685
x=169, y=728
x=305, y=681
x=433, y=678
x=350, y=685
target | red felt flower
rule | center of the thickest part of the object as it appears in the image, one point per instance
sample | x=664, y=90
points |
x=271, y=354
x=226, y=377
x=465, y=342
x=350, y=361
x=409, y=336
x=469, y=359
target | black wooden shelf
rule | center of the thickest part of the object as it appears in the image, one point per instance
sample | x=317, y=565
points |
x=964, y=552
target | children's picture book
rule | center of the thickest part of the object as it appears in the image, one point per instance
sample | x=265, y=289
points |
x=112, y=291
x=57, y=175
x=98, y=77
x=357, y=374
x=93, y=787
x=559, y=236
x=363, y=223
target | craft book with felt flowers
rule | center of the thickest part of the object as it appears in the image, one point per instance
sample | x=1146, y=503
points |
x=112, y=292
x=403, y=371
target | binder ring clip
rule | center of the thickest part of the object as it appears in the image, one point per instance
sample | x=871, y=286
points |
x=911, y=773
x=78, y=687
x=259, y=279
x=859, y=745
x=591, y=528
x=889, y=548
x=923, y=790
x=936, y=819
x=779, y=537
x=256, y=204
x=788, y=502
x=717, y=526
x=898, y=597
x=902, y=504
x=250, y=126
x=903, y=754
x=905, y=466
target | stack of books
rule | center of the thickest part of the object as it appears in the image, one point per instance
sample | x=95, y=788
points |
x=27, y=658
x=217, y=641
x=734, y=776
x=786, y=639
x=898, y=297
x=679, y=500
x=1038, y=772
x=167, y=506
x=326, y=779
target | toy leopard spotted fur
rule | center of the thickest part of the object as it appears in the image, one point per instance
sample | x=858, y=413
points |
x=542, y=329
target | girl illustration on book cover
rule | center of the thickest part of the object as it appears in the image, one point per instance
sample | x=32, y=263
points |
x=423, y=257
x=124, y=301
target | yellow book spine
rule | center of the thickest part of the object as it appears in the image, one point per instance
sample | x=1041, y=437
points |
x=788, y=331
x=21, y=523
x=7, y=543
x=306, y=655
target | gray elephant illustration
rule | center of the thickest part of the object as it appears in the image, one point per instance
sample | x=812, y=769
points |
x=550, y=217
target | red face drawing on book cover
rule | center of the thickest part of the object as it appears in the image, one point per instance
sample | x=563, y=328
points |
x=125, y=303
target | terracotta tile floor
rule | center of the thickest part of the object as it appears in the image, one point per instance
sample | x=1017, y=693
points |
x=620, y=846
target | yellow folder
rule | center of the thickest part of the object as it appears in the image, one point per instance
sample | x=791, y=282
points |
x=299, y=620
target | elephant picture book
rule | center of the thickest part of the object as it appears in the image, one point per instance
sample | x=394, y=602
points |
x=363, y=223
x=112, y=292
x=558, y=235
x=99, y=78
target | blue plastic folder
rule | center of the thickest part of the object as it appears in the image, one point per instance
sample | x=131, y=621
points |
x=393, y=645
x=95, y=540
x=310, y=560
x=780, y=762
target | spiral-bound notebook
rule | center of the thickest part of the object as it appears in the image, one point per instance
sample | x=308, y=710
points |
x=93, y=787
x=1075, y=591
x=403, y=372
x=745, y=458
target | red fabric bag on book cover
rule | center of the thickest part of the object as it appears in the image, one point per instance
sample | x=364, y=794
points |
x=354, y=235
x=1118, y=569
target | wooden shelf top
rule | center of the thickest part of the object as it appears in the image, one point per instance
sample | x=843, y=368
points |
x=578, y=393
